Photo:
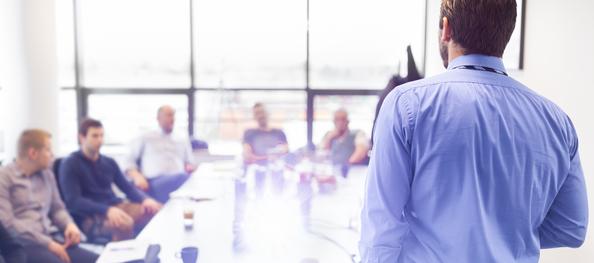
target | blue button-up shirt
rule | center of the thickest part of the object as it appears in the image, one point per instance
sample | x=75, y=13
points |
x=471, y=166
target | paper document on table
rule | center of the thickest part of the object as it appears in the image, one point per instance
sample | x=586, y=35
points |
x=187, y=195
x=124, y=251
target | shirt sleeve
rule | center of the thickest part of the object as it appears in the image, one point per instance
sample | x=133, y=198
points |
x=189, y=153
x=361, y=139
x=7, y=215
x=247, y=137
x=135, y=154
x=387, y=187
x=71, y=186
x=120, y=181
x=282, y=137
x=57, y=212
x=566, y=222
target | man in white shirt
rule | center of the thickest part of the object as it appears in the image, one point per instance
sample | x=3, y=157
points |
x=159, y=161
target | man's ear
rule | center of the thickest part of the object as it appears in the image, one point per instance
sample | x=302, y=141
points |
x=32, y=153
x=446, y=30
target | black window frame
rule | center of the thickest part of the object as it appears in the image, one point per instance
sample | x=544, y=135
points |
x=83, y=92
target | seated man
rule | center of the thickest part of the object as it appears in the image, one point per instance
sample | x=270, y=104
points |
x=260, y=146
x=30, y=204
x=346, y=146
x=160, y=162
x=11, y=251
x=264, y=144
x=86, y=177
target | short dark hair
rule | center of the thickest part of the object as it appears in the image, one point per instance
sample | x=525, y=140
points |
x=480, y=27
x=88, y=123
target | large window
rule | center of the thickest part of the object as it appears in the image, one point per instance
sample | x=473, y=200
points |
x=127, y=116
x=254, y=44
x=361, y=43
x=213, y=59
x=134, y=43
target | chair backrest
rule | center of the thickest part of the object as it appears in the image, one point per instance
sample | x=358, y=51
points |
x=199, y=144
x=56, y=170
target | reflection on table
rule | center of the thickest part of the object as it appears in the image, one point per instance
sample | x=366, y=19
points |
x=251, y=216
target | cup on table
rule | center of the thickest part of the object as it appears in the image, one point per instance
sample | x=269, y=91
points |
x=188, y=254
x=188, y=218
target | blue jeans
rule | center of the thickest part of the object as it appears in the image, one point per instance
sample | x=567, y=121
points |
x=161, y=186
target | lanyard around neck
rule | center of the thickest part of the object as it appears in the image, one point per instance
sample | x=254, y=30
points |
x=481, y=68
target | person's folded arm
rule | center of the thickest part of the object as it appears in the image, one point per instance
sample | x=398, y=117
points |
x=566, y=222
x=361, y=148
x=249, y=156
x=388, y=183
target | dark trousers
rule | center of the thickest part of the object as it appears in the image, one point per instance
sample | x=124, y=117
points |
x=160, y=187
x=40, y=254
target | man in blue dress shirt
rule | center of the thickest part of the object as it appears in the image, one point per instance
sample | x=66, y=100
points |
x=471, y=165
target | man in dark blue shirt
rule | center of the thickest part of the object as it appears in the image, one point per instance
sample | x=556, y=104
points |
x=86, y=179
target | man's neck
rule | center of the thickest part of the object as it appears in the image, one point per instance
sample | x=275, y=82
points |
x=91, y=155
x=343, y=132
x=26, y=166
x=454, y=52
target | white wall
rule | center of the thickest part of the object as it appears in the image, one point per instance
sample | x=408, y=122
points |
x=559, y=64
x=28, y=69
x=41, y=60
x=13, y=79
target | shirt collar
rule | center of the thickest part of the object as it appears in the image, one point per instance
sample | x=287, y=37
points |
x=478, y=60
x=84, y=157
x=15, y=168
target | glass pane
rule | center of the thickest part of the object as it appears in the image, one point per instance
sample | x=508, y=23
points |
x=361, y=110
x=67, y=137
x=512, y=54
x=135, y=43
x=361, y=44
x=125, y=117
x=223, y=116
x=257, y=44
x=65, y=40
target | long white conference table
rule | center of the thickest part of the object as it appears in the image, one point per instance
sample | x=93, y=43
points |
x=273, y=229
